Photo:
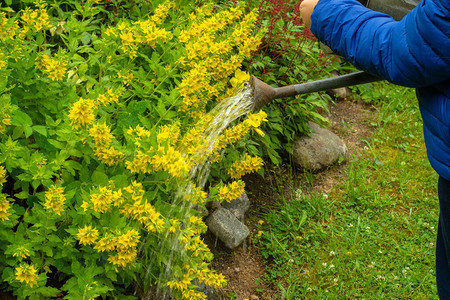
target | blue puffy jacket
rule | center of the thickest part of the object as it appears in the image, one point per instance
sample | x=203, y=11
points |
x=413, y=52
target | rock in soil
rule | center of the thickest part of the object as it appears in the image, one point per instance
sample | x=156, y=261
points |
x=227, y=228
x=318, y=151
x=238, y=206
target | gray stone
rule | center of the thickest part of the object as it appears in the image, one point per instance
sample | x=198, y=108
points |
x=318, y=151
x=340, y=93
x=210, y=292
x=227, y=227
x=238, y=207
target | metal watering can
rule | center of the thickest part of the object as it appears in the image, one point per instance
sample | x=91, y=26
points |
x=264, y=93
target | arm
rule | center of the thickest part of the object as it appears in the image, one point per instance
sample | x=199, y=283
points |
x=414, y=52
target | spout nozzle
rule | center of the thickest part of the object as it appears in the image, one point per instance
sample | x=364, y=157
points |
x=262, y=93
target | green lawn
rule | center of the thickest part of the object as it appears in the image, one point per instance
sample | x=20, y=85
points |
x=373, y=235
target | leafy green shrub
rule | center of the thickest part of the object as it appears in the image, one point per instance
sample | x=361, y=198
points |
x=103, y=109
x=289, y=54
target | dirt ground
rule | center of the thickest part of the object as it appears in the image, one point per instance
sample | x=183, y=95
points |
x=244, y=266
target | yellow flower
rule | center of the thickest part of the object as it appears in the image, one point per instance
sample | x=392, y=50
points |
x=87, y=235
x=5, y=205
x=246, y=166
x=109, y=155
x=255, y=120
x=2, y=175
x=239, y=78
x=127, y=240
x=232, y=190
x=55, y=68
x=37, y=19
x=28, y=274
x=21, y=252
x=101, y=201
x=106, y=243
x=123, y=258
x=82, y=113
x=54, y=199
x=101, y=134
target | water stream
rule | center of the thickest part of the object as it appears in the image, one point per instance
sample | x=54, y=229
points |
x=223, y=114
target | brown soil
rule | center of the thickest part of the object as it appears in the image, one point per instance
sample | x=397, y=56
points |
x=244, y=267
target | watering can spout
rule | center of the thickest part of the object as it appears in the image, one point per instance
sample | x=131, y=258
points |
x=264, y=93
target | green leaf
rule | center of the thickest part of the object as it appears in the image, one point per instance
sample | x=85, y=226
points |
x=28, y=131
x=40, y=129
x=99, y=178
x=20, y=118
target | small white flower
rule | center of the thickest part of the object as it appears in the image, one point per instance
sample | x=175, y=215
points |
x=332, y=253
x=290, y=260
x=309, y=290
x=379, y=251
x=331, y=266
x=379, y=277
x=335, y=280
x=350, y=225
x=324, y=264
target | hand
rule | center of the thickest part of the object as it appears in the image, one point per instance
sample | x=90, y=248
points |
x=306, y=10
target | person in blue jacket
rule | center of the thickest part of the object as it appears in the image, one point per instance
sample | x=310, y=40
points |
x=413, y=52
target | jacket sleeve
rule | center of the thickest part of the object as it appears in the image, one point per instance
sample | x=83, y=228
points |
x=413, y=52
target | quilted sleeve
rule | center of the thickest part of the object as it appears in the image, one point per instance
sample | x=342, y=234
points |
x=413, y=52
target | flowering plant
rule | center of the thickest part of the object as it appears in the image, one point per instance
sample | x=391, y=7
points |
x=102, y=121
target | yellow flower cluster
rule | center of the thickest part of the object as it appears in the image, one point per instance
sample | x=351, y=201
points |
x=5, y=113
x=109, y=155
x=55, y=199
x=81, y=113
x=142, y=32
x=122, y=248
x=126, y=247
x=131, y=202
x=55, y=68
x=21, y=252
x=108, y=98
x=136, y=207
x=215, y=47
x=171, y=160
x=104, y=199
x=2, y=175
x=101, y=133
x=82, y=116
x=203, y=274
x=127, y=77
x=235, y=133
x=248, y=165
x=8, y=27
x=5, y=205
x=28, y=274
x=36, y=19
x=167, y=157
x=196, y=195
x=232, y=190
x=2, y=62
x=161, y=12
x=87, y=235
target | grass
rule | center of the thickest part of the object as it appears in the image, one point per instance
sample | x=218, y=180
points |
x=373, y=235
